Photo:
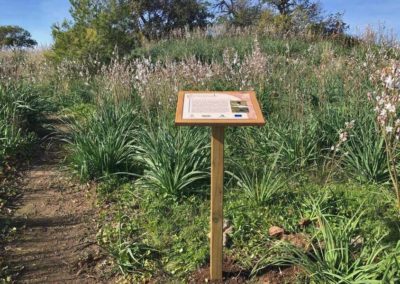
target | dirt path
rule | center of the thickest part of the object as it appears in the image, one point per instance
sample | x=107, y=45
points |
x=55, y=240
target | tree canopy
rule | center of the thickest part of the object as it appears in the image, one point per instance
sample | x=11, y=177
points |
x=15, y=37
x=104, y=26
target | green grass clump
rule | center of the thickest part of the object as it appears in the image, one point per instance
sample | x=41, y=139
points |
x=104, y=143
x=21, y=109
x=339, y=255
x=175, y=160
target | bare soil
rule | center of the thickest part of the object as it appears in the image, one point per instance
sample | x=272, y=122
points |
x=55, y=240
x=232, y=274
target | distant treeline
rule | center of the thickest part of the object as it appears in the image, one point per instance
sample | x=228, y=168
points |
x=102, y=28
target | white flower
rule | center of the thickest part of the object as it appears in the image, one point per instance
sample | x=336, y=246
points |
x=389, y=82
x=390, y=108
x=349, y=125
x=343, y=136
x=389, y=129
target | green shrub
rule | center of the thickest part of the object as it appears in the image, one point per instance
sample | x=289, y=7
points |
x=175, y=159
x=104, y=142
x=365, y=157
x=339, y=255
x=259, y=186
x=20, y=112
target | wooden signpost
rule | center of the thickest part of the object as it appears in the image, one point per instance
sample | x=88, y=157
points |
x=218, y=110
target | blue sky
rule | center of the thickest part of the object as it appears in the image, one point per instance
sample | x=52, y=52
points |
x=360, y=13
x=37, y=16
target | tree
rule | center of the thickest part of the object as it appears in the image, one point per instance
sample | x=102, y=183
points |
x=15, y=37
x=159, y=17
x=303, y=14
x=239, y=12
x=100, y=27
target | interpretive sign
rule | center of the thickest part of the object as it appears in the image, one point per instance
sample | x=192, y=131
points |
x=217, y=109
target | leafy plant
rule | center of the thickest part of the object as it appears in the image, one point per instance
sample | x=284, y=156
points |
x=174, y=159
x=299, y=144
x=338, y=255
x=19, y=111
x=103, y=143
x=126, y=246
x=260, y=186
x=364, y=155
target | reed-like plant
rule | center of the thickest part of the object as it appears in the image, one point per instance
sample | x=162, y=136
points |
x=259, y=185
x=299, y=144
x=364, y=155
x=174, y=159
x=338, y=255
x=19, y=110
x=103, y=143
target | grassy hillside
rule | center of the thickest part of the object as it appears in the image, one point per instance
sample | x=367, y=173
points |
x=323, y=168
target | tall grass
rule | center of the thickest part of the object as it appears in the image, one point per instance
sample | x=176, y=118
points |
x=338, y=255
x=175, y=160
x=20, y=110
x=259, y=185
x=103, y=143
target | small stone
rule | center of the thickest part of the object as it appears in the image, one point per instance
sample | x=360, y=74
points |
x=276, y=231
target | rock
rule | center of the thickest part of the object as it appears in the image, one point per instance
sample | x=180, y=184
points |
x=276, y=231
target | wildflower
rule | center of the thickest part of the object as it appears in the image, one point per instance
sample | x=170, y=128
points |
x=389, y=129
x=349, y=125
x=390, y=108
x=343, y=135
x=389, y=82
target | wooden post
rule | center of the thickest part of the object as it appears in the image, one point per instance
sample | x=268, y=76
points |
x=217, y=186
x=248, y=114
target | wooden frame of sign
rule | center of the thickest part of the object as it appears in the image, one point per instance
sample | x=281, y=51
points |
x=254, y=117
x=218, y=110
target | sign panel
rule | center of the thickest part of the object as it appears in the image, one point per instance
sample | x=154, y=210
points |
x=218, y=108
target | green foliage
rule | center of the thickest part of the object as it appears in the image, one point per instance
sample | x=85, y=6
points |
x=20, y=111
x=174, y=159
x=146, y=242
x=98, y=29
x=158, y=18
x=239, y=13
x=365, y=158
x=103, y=28
x=259, y=186
x=339, y=255
x=126, y=246
x=103, y=143
x=15, y=37
x=298, y=143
